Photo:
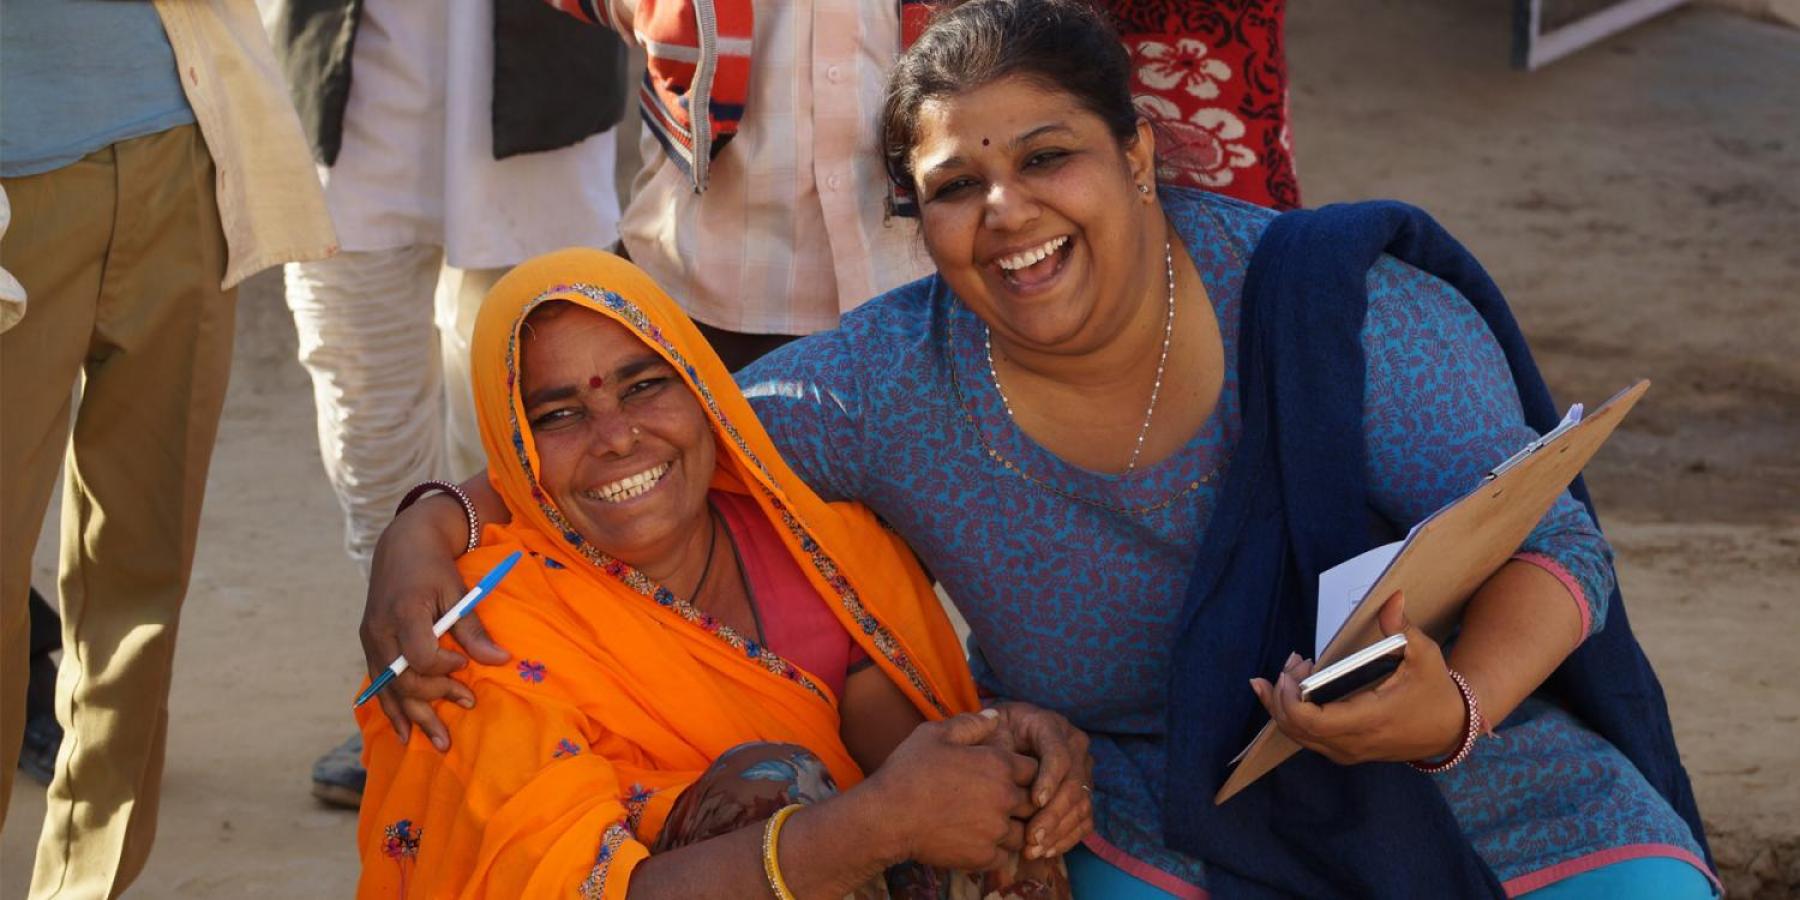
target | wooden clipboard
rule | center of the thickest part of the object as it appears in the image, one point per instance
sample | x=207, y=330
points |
x=1452, y=553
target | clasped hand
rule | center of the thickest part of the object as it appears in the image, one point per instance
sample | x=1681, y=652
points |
x=1414, y=714
x=968, y=792
x=1062, y=792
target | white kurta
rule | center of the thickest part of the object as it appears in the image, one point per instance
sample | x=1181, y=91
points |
x=428, y=220
x=417, y=164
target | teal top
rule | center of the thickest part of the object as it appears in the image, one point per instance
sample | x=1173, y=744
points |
x=79, y=75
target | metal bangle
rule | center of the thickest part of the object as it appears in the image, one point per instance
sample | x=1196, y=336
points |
x=427, y=487
x=771, y=852
x=1471, y=730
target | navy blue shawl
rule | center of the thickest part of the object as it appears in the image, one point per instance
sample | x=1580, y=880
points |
x=1293, y=504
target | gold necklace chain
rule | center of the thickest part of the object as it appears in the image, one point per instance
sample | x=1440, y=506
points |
x=1162, y=362
x=993, y=453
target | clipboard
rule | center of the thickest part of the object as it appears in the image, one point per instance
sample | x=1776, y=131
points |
x=1450, y=554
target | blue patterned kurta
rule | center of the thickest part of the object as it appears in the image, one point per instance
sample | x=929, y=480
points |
x=1072, y=580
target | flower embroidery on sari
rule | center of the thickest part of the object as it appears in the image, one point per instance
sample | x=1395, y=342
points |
x=531, y=670
x=400, y=840
x=565, y=748
x=400, y=843
x=635, y=801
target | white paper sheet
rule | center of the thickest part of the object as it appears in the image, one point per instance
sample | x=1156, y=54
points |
x=1343, y=586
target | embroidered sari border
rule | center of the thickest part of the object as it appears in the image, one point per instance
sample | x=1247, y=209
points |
x=594, y=886
x=845, y=594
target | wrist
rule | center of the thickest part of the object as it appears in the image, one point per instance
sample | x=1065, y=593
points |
x=471, y=520
x=830, y=848
x=444, y=522
x=871, y=813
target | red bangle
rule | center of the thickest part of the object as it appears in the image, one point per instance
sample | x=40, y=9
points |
x=426, y=487
x=1470, y=732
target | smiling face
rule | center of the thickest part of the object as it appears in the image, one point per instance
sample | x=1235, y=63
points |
x=1031, y=210
x=624, y=449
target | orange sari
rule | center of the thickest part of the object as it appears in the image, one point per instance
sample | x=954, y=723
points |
x=620, y=694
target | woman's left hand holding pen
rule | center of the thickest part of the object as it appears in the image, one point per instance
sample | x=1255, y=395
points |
x=404, y=601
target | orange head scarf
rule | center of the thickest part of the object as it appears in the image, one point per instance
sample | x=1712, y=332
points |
x=620, y=693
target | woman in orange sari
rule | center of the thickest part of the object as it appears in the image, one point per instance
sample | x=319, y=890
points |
x=703, y=645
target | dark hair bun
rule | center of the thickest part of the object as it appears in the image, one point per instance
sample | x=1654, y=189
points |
x=1067, y=45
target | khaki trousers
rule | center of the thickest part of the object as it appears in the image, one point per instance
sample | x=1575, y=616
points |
x=121, y=255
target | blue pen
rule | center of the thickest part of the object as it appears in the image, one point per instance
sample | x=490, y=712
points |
x=481, y=589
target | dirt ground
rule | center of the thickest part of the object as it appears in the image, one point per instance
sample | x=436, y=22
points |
x=1640, y=203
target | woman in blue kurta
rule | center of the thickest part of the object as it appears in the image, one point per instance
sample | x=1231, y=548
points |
x=1073, y=581
x=1073, y=578
x=1130, y=564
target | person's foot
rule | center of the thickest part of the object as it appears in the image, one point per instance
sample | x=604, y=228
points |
x=338, y=775
x=37, y=753
x=43, y=734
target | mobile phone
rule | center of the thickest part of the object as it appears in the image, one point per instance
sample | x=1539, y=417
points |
x=1360, y=670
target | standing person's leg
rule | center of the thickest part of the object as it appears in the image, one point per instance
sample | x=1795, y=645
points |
x=153, y=388
x=365, y=326
x=46, y=626
x=338, y=776
x=459, y=295
x=366, y=337
x=43, y=735
x=56, y=245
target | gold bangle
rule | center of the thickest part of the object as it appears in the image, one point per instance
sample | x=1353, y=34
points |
x=771, y=847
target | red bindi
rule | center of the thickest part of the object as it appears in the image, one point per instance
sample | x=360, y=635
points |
x=984, y=142
x=595, y=382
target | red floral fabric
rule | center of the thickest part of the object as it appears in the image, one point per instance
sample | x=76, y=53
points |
x=1212, y=76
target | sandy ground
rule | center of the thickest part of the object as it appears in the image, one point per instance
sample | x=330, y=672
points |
x=1638, y=202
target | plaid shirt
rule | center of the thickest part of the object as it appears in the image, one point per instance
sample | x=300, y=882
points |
x=791, y=229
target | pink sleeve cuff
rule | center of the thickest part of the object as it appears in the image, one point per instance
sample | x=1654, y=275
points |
x=1569, y=583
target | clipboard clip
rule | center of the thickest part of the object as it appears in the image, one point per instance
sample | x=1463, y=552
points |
x=1572, y=419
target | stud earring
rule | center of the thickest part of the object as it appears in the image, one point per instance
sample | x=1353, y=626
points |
x=635, y=431
x=1144, y=189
